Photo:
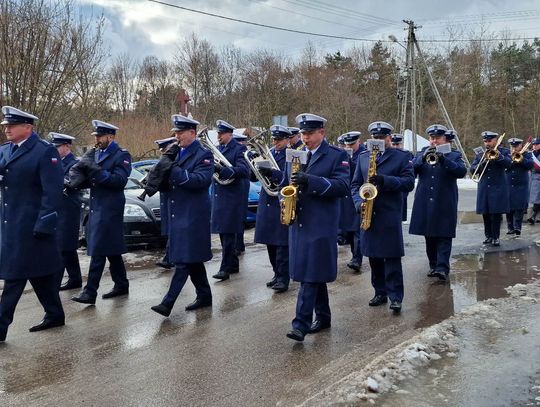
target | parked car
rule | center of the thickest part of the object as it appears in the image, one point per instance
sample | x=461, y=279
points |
x=253, y=196
x=142, y=219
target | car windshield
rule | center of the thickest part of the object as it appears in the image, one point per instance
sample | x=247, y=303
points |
x=137, y=175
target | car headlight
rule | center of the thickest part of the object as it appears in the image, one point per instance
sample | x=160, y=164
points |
x=135, y=213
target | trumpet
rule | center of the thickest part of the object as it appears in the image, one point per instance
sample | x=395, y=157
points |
x=431, y=157
x=257, y=152
x=219, y=159
x=488, y=156
x=518, y=156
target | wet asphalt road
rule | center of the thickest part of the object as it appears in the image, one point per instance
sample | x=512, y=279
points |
x=121, y=353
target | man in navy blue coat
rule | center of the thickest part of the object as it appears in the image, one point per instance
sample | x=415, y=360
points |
x=321, y=183
x=189, y=216
x=436, y=189
x=107, y=170
x=492, y=194
x=295, y=141
x=268, y=227
x=383, y=241
x=164, y=207
x=228, y=206
x=31, y=184
x=518, y=179
x=69, y=220
x=349, y=220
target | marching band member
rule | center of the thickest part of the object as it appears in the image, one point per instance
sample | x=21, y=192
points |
x=349, y=220
x=437, y=191
x=31, y=183
x=228, y=208
x=268, y=228
x=240, y=246
x=397, y=142
x=295, y=141
x=164, y=208
x=70, y=216
x=383, y=241
x=312, y=237
x=535, y=182
x=492, y=193
x=107, y=170
x=189, y=216
x=517, y=177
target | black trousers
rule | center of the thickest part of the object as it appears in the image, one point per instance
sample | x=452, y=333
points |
x=117, y=269
x=311, y=297
x=492, y=225
x=70, y=259
x=46, y=289
x=387, y=277
x=229, y=259
x=514, y=219
x=279, y=259
x=197, y=273
x=438, y=250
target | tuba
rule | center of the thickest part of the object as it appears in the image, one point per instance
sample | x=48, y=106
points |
x=368, y=192
x=288, y=196
x=219, y=158
x=257, y=152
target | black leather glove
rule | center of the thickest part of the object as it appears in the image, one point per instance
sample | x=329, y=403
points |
x=171, y=151
x=217, y=167
x=441, y=157
x=299, y=178
x=40, y=235
x=377, y=180
x=265, y=171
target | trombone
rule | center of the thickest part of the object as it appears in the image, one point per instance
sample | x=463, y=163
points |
x=488, y=156
x=518, y=156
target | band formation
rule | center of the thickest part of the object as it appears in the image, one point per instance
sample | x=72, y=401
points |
x=314, y=196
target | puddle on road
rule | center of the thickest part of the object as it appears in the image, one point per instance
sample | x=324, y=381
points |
x=476, y=278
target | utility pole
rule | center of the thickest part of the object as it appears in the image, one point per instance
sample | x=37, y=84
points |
x=411, y=68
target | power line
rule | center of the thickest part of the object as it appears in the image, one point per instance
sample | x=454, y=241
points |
x=327, y=35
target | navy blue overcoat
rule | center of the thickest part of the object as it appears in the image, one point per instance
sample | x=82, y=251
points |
x=70, y=214
x=518, y=179
x=268, y=228
x=189, y=206
x=312, y=237
x=349, y=218
x=228, y=203
x=385, y=237
x=492, y=192
x=105, y=227
x=434, y=211
x=31, y=185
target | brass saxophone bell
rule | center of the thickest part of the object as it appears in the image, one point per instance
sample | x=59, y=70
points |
x=368, y=191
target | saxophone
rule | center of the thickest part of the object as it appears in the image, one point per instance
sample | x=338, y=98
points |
x=368, y=191
x=288, y=197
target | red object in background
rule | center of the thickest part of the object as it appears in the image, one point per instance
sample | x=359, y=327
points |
x=183, y=99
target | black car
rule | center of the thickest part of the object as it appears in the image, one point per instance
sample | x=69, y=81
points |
x=142, y=219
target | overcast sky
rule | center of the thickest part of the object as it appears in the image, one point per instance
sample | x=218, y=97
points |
x=143, y=28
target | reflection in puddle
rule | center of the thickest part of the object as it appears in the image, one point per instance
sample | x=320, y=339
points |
x=476, y=278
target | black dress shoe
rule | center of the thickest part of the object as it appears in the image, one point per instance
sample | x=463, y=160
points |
x=395, y=306
x=161, y=309
x=234, y=271
x=115, y=292
x=296, y=334
x=318, y=326
x=517, y=232
x=70, y=285
x=431, y=273
x=441, y=275
x=488, y=240
x=84, y=298
x=199, y=303
x=3, y=335
x=221, y=275
x=378, y=300
x=47, y=324
x=271, y=282
x=496, y=242
x=531, y=221
x=165, y=265
x=280, y=287
x=511, y=232
x=354, y=265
